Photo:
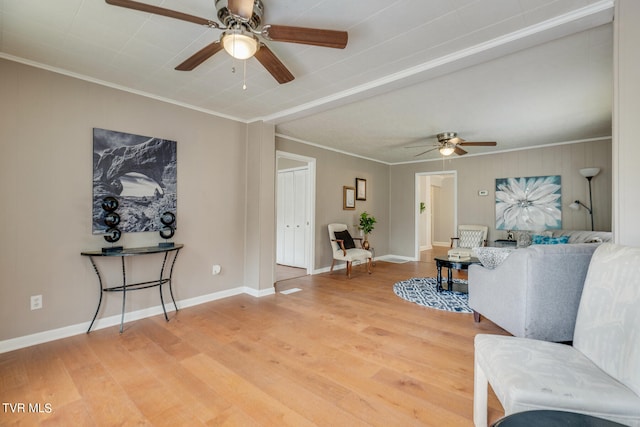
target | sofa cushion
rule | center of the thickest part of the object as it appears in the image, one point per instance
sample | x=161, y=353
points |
x=582, y=236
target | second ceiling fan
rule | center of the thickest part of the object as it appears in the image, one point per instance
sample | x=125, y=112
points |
x=450, y=142
x=242, y=23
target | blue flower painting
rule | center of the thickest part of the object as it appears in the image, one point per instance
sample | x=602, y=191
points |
x=530, y=203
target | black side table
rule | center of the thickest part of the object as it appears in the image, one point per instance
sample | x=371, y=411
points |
x=451, y=264
x=128, y=252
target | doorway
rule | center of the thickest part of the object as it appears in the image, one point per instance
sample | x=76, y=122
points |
x=436, y=216
x=295, y=215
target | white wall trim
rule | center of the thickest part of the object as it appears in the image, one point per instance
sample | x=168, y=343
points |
x=385, y=257
x=105, y=322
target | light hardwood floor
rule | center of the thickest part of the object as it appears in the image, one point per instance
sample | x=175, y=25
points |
x=339, y=352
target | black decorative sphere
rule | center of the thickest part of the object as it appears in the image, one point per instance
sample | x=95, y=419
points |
x=113, y=235
x=111, y=219
x=110, y=204
x=167, y=218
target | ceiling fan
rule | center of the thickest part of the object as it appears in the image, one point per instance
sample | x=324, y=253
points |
x=241, y=21
x=450, y=142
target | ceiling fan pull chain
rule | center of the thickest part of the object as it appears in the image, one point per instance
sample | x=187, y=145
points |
x=244, y=76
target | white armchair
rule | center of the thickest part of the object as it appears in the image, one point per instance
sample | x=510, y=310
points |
x=599, y=375
x=468, y=238
x=343, y=248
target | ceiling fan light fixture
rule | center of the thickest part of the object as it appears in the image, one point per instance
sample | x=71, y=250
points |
x=239, y=43
x=447, y=149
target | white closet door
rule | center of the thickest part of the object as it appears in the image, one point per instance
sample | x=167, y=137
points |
x=300, y=217
x=280, y=219
x=292, y=223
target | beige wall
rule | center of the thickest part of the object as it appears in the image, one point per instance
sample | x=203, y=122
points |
x=626, y=126
x=46, y=122
x=260, y=208
x=480, y=172
x=334, y=170
x=285, y=163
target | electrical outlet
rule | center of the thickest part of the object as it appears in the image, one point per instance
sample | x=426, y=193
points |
x=215, y=270
x=36, y=302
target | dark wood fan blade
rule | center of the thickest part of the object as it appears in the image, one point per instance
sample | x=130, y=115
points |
x=241, y=8
x=479, y=144
x=302, y=35
x=143, y=7
x=273, y=65
x=200, y=56
x=459, y=151
x=425, y=152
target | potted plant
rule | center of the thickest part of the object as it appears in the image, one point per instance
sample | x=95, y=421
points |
x=366, y=225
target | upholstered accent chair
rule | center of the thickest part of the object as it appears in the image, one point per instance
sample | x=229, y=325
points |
x=598, y=375
x=344, y=249
x=468, y=238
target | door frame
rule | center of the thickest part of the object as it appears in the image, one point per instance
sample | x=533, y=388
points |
x=311, y=203
x=417, y=186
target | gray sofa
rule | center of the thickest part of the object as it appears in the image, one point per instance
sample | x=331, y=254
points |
x=535, y=291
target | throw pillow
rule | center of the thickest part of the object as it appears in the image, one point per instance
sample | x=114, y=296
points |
x=346, y=238
x=492, y=257
x=537, y=239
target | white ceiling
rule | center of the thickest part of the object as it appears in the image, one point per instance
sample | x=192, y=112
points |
x=519, y=72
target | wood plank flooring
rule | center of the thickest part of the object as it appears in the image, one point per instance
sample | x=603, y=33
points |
x=339, y=352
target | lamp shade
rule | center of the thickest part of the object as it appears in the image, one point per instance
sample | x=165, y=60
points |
x=589, y=172
x=239, y=43
x=447, y=149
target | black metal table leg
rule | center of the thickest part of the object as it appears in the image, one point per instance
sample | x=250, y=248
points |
x=161, y=281
x=439, y=276
x=171, y=281
x=124, y=294
x=95, y=267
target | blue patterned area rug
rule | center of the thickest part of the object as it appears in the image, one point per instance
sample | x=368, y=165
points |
x=423, y=291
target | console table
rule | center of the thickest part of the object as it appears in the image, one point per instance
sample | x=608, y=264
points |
x=504, y=243
x=124, y=287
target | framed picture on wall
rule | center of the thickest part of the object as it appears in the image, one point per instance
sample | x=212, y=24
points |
x=140, y=172
x=361, y=189
x=529, y=203
x=348, y=197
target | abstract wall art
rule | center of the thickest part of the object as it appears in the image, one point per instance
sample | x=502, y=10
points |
x=140, y=172
x=529, y=203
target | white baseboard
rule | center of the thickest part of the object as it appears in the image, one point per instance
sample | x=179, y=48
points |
x=105, y=322
x=342, y=266
x=406, y=258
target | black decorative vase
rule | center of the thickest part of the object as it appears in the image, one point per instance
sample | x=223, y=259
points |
x=111, y=220
x=168, y=229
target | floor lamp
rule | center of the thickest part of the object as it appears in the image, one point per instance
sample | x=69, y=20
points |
x=588, y=173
